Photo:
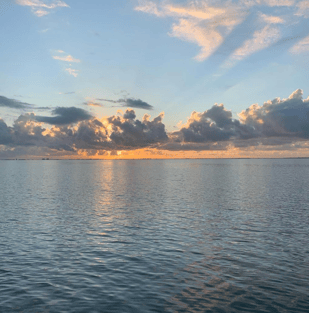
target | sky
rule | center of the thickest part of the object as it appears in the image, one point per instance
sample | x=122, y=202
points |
x=154, y=79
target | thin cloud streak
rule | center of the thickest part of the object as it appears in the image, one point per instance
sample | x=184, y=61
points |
x=13, y=104
x=67, y=58
x=41, y=8
x=130, y=102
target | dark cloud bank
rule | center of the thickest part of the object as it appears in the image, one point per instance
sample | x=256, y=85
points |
x=131, y=103
x=280, y=122
x=13, y=104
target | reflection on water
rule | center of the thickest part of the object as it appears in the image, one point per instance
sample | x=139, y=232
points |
x=154, y=236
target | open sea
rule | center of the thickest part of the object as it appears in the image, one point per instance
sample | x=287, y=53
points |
x=154, y=236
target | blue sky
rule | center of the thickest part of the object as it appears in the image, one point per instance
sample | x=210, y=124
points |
x=177, y=56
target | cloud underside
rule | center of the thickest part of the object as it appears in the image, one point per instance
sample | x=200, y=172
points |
x=130, y=102
x=277, y=123
x=208, y=24
x=13, y=104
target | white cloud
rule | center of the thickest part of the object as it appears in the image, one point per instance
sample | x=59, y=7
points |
x=270, y=19
x=40, y=8
x=40, y=13
x=303, y=9
x=301, y=46
x=207, y=39
x=261, y=40
x=72, y=71
x=208, y=23
x=198, y=22
x=277, y=3
x=67, y=58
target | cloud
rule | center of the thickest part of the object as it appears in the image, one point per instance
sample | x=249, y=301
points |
x=278, y=124
x=13, y=104
x=112, y=133
x=262, y=39
x=207, y=39
x=301, y=46
x=276, y=3
x=280, y=118
x=270, y=19
x=198, y=22
x=213, y=125
x=67, y=58
x=72, y=71
x=41, y=8
x=65, y=116
x=128, y=132
x=130, y=102
x=67, y=93
x=303, y=9
x=93, y=104
x=41, y=13
x=211, y=25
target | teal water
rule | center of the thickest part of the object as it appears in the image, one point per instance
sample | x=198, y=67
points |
x=154, y=236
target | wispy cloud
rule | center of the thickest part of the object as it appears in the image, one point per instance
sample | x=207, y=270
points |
x=130, y=102
x=199, y=22
x=67, y=93
x=72, y=71
x=93, y=104
x=40, y=7
x=208, y=24
x=63, y=116
x=303, y=8
x=67, y=58
x=301, y=46
x=261, y=40
x=208, y=40
x=13, y=104
x=271, y=19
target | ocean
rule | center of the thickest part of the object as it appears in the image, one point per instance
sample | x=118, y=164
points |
x=154, y=236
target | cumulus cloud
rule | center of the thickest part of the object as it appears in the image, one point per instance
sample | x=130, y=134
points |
x=13, y=104
x=213, y=125
x=130, y=102
x=280, y=123
x=129, y=132
x=65, y=116
x=280, y=117
x=112, y=133
x=41, y=8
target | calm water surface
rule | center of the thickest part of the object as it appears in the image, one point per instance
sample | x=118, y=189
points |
x=154, y=236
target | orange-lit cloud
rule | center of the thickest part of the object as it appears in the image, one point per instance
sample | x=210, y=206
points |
x=208, y=24
x=278, y=126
